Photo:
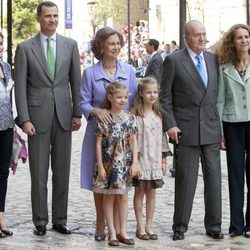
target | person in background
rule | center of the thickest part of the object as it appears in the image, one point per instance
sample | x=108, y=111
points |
x=233, y=105
x=188, y=96
x=47, y=91
x=6, y=134
x=166, y=51
x=106, y=46
x=154, y=67
x=173, y=46
x=153, y=151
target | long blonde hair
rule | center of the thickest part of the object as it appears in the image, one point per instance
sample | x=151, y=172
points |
x=112, y=89
x=137, y=107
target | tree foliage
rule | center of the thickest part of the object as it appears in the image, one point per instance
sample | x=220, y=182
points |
x=23, y=19
x=102, y=10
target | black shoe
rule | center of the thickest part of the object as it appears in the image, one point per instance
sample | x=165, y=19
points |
x=178, y=235
x=2, y=235
x=100, y=237
x=60, y=228
x=40, y=230
x=7, y=232
x=246, y=234
x=216, y=235
x=233, y=234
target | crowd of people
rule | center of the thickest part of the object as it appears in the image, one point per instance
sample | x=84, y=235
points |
x=139, y=36
x=197, y=99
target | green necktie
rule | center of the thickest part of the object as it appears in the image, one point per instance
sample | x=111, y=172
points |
x=50, y=59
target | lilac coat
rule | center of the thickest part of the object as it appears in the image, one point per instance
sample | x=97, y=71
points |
x=93, y=93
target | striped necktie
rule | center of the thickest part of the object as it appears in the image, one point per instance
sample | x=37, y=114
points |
x=50, y=59
x=201, y=69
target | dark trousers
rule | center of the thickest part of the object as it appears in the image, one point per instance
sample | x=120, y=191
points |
x=186, y=174
x=6, y=142
x=237, y=136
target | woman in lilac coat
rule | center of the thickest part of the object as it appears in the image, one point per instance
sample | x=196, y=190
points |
x=106, y=47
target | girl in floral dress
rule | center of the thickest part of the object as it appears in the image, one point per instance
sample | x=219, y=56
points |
x=116, y=152
x=153, y=150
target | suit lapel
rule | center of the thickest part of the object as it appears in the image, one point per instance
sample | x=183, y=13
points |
x=60, y=52
x=247, y=75
x=210, y=69
x=232, y=73
x=148, y=66
x=149, y=63
x=38, y=51
x=190, y=68
x=6, y=70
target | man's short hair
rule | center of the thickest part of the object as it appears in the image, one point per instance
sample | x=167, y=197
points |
x=155, y=43
x=46, y=4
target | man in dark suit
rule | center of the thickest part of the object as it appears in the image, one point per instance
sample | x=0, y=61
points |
x=155, y=62
x=188, y=97
x=47, y=89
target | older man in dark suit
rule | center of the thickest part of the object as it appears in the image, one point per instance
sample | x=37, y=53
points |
x=155, y=61
x=189, y=89
x=47, y=79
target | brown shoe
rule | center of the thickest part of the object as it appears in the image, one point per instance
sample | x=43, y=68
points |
x=142, y=236
x=153, y=236
x=113, y=243
x=125, y=241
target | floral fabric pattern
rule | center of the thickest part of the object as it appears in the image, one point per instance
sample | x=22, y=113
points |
x=117, y=153
x=6, y=85
x=152, y=144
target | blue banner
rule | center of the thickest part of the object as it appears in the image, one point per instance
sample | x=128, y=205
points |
x=68, y=14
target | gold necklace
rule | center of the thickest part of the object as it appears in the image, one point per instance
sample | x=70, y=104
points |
x=110, y=70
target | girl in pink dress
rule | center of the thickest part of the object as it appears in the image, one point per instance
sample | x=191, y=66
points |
x=116, y=154
x=153, y=150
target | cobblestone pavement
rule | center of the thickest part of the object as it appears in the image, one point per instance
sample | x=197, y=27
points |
x=81, y=216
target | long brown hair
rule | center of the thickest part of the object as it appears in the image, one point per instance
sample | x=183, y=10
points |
x=112, y=89
x=226, y=50
x=137, y=107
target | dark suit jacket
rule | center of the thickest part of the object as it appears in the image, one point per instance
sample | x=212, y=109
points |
x=154, y=67
x=186, y=102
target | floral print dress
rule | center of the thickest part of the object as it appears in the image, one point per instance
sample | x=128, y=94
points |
x=152, y=146
x=117, y=154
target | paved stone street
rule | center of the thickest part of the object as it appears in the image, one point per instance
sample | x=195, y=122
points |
x=81, y=216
